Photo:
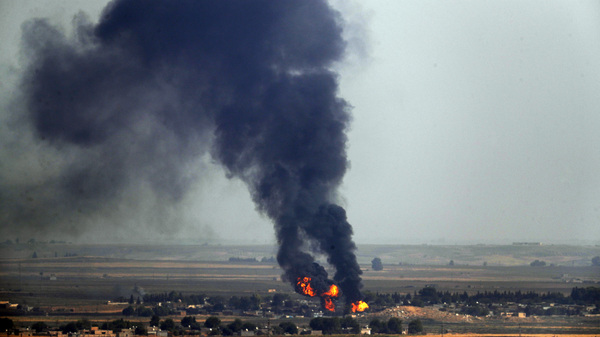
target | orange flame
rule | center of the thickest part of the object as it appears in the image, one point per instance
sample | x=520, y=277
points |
x=333, y=291
x=329, y=304
x=359, y=306
x=304, y=284
x=307, y=289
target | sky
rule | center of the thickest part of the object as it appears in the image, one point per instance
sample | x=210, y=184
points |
x=472, y=122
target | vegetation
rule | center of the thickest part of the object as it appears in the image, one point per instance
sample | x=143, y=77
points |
x=141, y=330
x=429, y=295
x=351, y=325
x=39, y=327
x=214, y=303
x=212, y=322
x=288, y=328
x=200, y=292
x=394, y=325
x=376, y=264
x=329, y=326
x=155, y=320
x=6, y=324
x=415, y=326
x=73, y=327
x=243, y=260
x=116, y=325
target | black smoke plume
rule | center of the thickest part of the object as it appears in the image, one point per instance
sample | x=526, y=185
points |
x=135, y=98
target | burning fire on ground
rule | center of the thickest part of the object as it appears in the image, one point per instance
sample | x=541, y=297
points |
x=306, y=288
x=359, y=306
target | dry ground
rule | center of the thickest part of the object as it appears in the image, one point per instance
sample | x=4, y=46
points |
x=100, y=273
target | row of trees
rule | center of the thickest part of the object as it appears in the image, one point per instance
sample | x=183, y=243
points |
x=334, y=325
x=219, y=302
x=377, y=264
x=429, y=295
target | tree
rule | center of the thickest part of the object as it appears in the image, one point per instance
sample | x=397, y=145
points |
x=34, y=255
x=188, y=320
x=68, y=328
x=6, y=324
x=155, y=320
x=83, y=323
x=116, y=325
x=141, y=330
x=394, y=325
x=327, y=325
x=212, y=322
x=225, y=331
x=596, y=261
x=39, y=327
x=351, y=324
x=255, y=301
x=415, y=326
x=475, y=310
x=168, y=324
x=160, y=310
x=289, y=327
x=276, y=331
x=376, y=264
x=377, y=326
x=451, y=263
x=429, y=294
x=537, y=263
x=128, y=311
x=236, y=325
x=279, y=299
x=144, y=312
x=249, y=326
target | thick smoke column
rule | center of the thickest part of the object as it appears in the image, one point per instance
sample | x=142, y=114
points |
x=137, y=96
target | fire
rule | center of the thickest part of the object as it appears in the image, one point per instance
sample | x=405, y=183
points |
x=359, y=306
x=333, y=291
x=304, y=284
x=329, y=304
x=307, y=289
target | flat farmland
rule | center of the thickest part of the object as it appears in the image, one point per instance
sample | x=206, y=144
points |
x=98, y=273
x=78, y=280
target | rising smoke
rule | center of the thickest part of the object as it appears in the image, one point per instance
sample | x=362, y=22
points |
x=133, y=101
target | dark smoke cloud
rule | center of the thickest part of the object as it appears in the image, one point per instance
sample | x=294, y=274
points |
x=135, y=99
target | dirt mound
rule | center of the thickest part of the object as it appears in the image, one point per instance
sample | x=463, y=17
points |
x=409, y=312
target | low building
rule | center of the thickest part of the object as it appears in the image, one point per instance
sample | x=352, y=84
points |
x=125, y=333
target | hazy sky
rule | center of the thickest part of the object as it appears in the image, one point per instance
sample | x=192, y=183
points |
x=473, y=122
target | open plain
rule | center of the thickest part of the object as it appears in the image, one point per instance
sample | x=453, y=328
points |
x=71, y=281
